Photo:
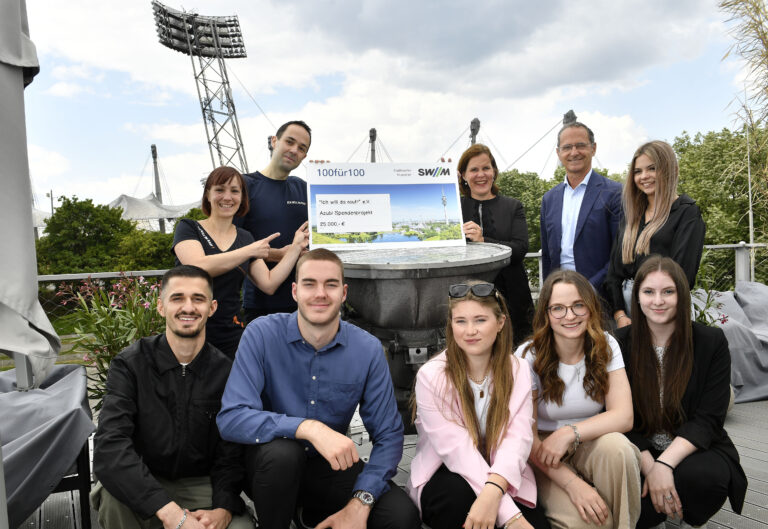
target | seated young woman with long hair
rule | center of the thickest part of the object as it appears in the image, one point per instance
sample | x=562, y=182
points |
x=587, y=471
x=680, y=373
x=473, y=413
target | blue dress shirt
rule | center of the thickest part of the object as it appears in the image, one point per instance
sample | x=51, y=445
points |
x=278, y=380
x=572, y=199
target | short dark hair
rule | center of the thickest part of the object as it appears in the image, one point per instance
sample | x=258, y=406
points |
x=319, y=254
x=580, y=125
x=220, y=176
x=300, y=123
x=185, y=271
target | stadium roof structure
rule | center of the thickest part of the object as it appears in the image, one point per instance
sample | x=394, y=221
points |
x=149, y=208
x=39, y=217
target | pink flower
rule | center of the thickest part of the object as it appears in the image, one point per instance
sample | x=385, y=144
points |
x=147, y=304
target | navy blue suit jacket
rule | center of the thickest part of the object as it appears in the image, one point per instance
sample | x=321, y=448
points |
x=596, y=228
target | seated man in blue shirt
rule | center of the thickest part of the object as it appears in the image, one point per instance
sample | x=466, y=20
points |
x=293, y=389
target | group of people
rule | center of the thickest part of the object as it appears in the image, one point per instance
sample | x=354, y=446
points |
x=589, y=223
x=531, y=417
x=577, y=428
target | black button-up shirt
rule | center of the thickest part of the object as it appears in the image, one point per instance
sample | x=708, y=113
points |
x=159, y=420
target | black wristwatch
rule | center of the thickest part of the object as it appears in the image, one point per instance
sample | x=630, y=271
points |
x=364, y=497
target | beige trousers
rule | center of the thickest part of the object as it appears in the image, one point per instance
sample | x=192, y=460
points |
x=611, y=463
x=191, y=493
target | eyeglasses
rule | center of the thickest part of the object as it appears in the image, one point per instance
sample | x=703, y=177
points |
x=578, y=146
x=480, y=290
x=559, y=311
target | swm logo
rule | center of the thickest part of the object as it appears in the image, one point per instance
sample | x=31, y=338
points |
x=435, y=171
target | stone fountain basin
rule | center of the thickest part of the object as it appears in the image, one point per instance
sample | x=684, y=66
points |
x=408, y=288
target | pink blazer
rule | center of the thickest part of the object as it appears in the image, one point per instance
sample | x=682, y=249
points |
x=445, y=441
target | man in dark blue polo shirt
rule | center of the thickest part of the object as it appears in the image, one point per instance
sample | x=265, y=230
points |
x=278, y=203
x=291, y=395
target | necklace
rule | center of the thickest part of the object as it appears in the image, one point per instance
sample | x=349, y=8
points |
x=480, y=383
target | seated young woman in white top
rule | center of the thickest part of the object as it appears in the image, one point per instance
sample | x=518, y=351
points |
x=587, y=471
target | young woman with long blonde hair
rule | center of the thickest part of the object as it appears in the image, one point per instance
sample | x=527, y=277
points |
x=656, y=221
x=473, y=415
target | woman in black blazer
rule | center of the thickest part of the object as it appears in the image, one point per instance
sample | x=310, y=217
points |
x=491, y=217
x=656, y=221
x=679, y=372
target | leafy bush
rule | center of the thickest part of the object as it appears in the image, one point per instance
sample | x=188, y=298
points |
x=108, y=319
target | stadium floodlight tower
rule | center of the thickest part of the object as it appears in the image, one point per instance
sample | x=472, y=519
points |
x=208, y=41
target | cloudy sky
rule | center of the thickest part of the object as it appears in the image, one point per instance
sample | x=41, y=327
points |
x=417, y=71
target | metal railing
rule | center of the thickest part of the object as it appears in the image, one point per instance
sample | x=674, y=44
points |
x=721, y=266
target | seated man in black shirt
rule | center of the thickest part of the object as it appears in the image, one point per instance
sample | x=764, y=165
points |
x=158, y=455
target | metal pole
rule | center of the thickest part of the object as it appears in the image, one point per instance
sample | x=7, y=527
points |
x=749, y=193
x=158, y=191
x=741, y=265
x=474, y=128
x=51, y=195
x=3, y=497
x=372, y=137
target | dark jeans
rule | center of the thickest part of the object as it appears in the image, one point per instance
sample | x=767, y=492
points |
x=447, y=498
x=282, y=477
x=701, y=480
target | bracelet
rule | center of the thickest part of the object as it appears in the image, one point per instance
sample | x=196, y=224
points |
x=577, y=441
x=512, y=520
x=183, y=519
x=670, y=467
x=569, y=482
x=497, y=486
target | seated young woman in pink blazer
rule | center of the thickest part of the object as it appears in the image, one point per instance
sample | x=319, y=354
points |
x=473, y=413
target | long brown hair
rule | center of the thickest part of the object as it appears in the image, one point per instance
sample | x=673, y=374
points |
x=476, y=150
x=636, y=202
x=457, y=389
x=645, y=370
x=597, y=353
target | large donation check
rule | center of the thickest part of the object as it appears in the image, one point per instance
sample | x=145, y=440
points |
x=383, y=205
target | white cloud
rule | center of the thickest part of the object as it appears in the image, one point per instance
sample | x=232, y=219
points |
x=176, y=133
x=65, y=89
x=45, y=165
x=498, y=49
x=417, y=71
x=75, y=71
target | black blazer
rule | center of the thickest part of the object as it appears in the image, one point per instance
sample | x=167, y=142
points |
x=681, y=238
x=705, y=402
x=503, y=222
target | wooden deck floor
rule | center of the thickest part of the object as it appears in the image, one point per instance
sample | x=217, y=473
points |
x=747, y=424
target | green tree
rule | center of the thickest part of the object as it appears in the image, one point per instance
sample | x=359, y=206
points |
x=713, y=171
x=81, y=237
x=145, y=250
x=529, y=189
x=195, y=214
x=749, y=29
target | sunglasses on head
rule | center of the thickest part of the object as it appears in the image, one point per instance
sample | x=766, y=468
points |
x=480, y=290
